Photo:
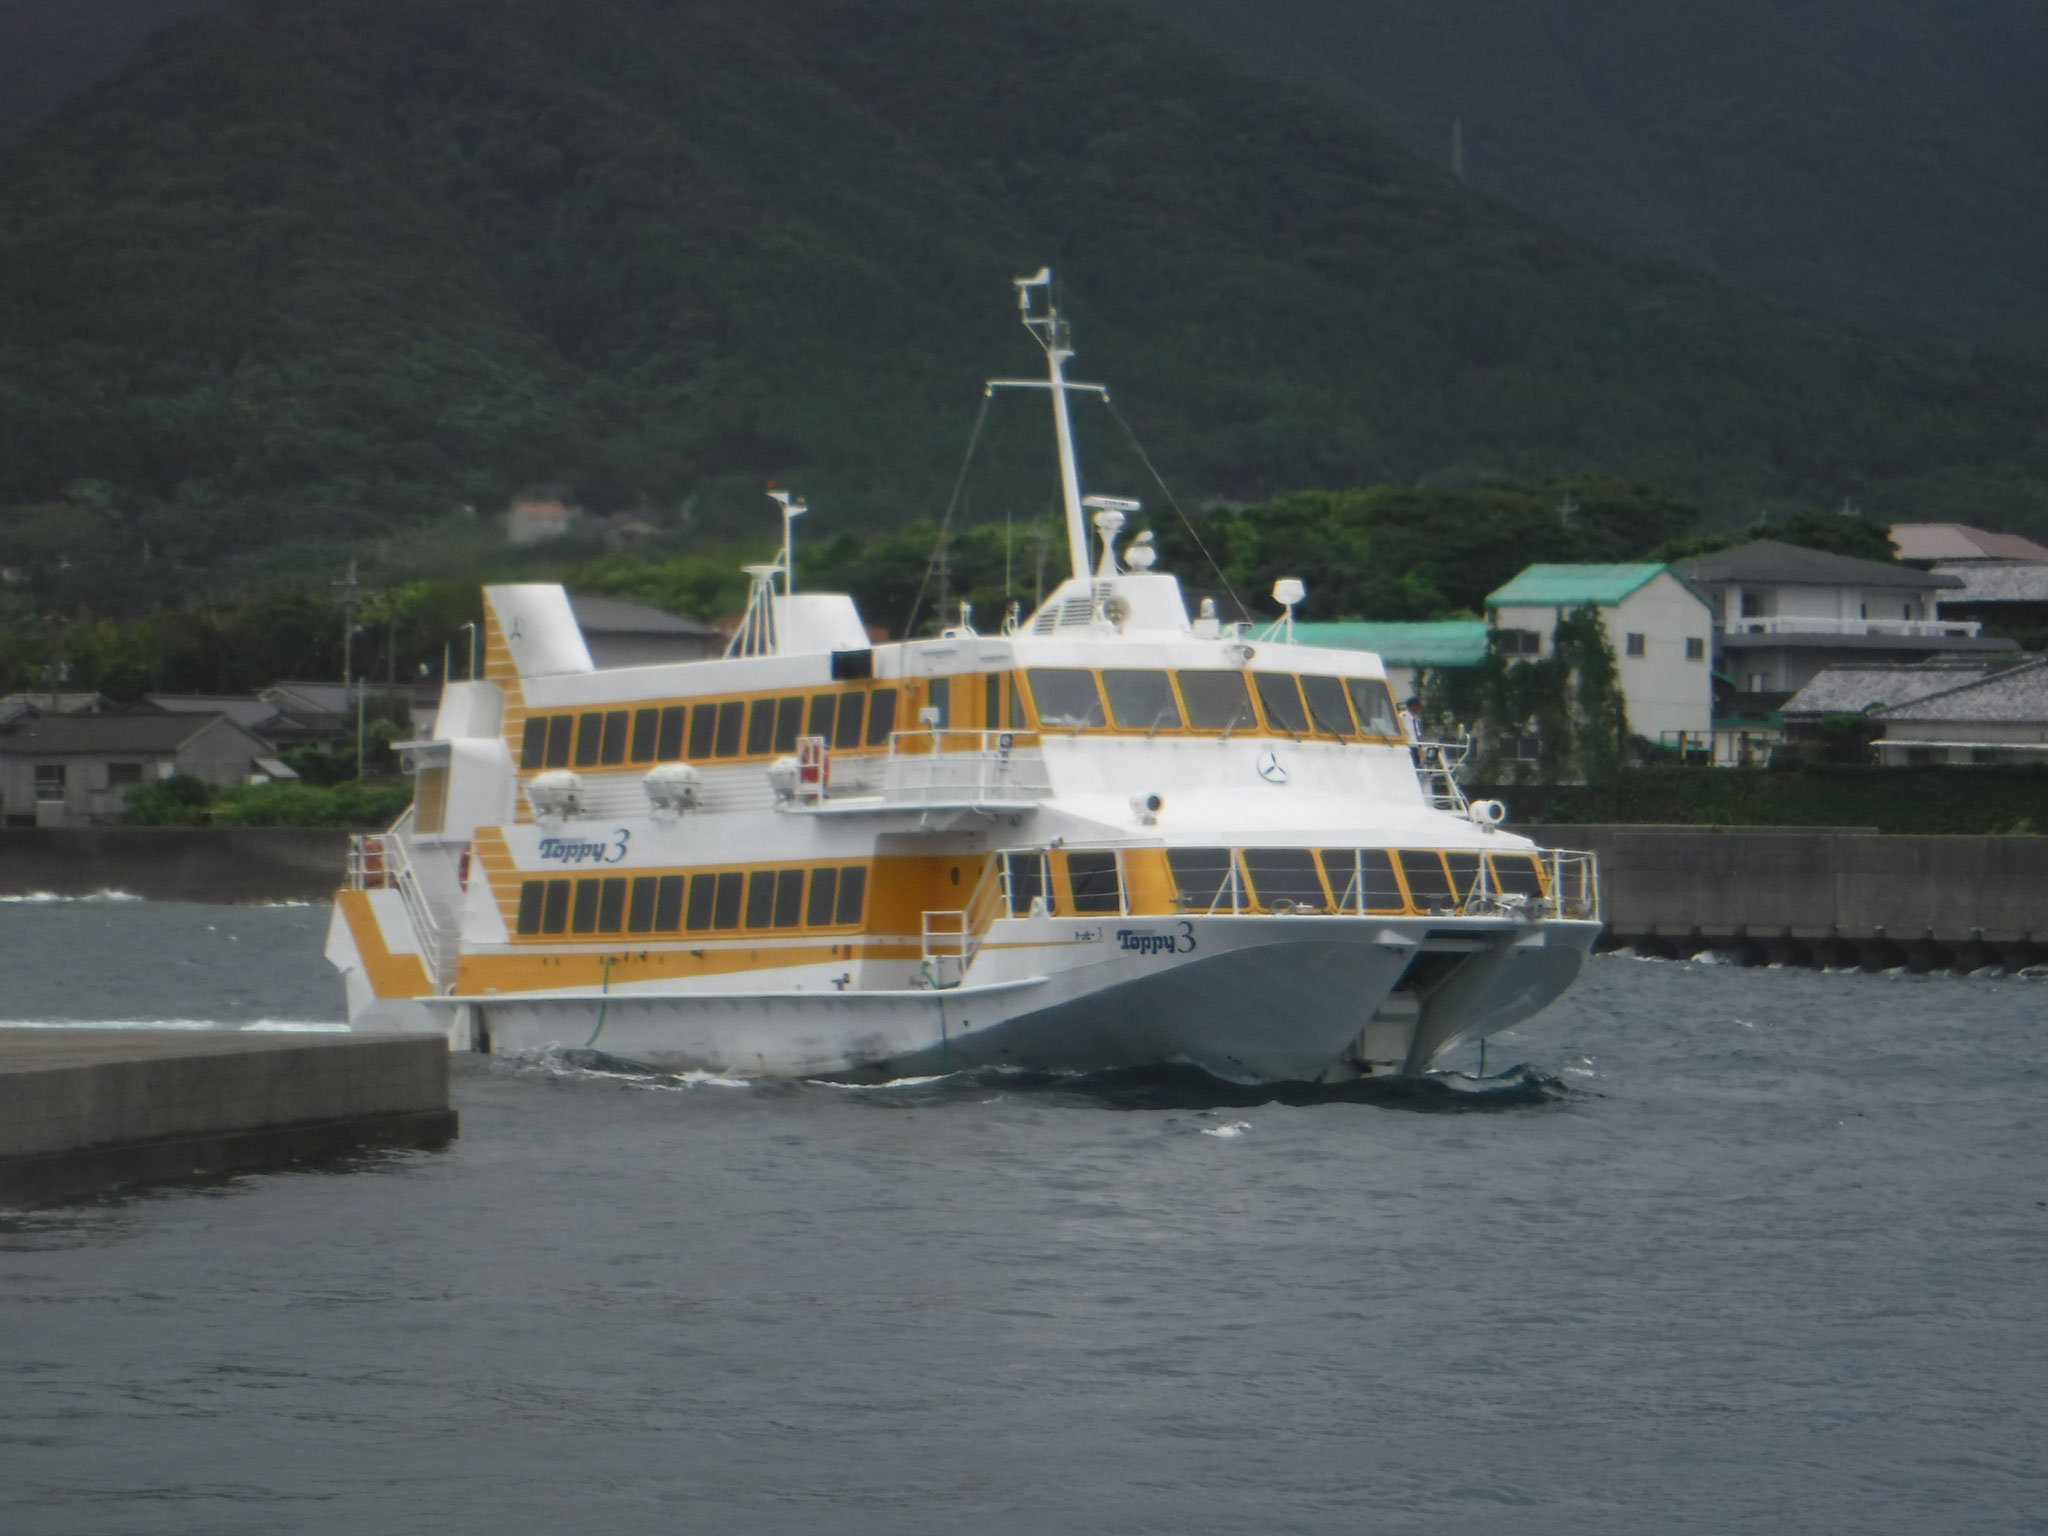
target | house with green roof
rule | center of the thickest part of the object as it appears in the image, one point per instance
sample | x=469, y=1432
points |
x=1660, y=625
x=1408, y=651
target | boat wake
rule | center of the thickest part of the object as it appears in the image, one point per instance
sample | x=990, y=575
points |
x=1127, y=1088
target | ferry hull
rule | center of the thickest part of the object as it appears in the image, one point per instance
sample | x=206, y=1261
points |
x=1251, y=1006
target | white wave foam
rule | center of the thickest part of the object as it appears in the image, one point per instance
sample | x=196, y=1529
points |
x=189, y=1026
x=1236, y=1129
x=894, y=1082
x=42, y=898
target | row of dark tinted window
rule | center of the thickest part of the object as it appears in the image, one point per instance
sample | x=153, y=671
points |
x=712, y=902
x=1296, y=877
x=1146, y=699
x=601, y=738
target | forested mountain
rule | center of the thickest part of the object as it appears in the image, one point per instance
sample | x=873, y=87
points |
x=311, y=271
x=1881, y=160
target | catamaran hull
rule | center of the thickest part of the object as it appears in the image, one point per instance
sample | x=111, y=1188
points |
x=1259, y=1000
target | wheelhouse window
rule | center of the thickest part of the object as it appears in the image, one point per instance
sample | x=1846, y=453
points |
x=1216, y=701
x=1065, y=698
x=1374, y=703
x=1140, y=699
x=1205, y=879
x=1327, y=710
x=1282, y=701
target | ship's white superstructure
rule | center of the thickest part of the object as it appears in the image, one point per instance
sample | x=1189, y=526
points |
x=1112, y=835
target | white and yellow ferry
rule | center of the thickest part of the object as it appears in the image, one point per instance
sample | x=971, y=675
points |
x=1111, y=835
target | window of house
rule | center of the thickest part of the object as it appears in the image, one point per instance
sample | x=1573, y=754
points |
x=1758, y=682
x=123, y=775
x=1638, y=645
x=1695, y=649
x=1517, y=642
x=1752, y=605
x=49, y=781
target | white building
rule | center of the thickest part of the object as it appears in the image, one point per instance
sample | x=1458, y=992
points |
x=1660, y=626
x=1782, y=613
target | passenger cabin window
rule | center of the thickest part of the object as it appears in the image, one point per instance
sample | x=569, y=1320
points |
x=703, y=730
x=561, y=733
x=668, y=745
x=729, y=720
x=1065, y=698
x=848, y=732
x=1217, y=701
x=589, y=739
x=881, y=716
x=1205, y=879
x=1092, y=882
x=1375, y=706
x=939, y=696
x=646, y=727
x=789, y=722
x=1362, y=879
x=1517, y=874
x=1427, y=882
x=1024, y=875
x=533, y=742
x=824, y=710
x=761, y=728
x=1282, y=701
x=1284, y=878
x=614, y=750
x=1140, y=700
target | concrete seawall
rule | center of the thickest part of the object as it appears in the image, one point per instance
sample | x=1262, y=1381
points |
x=225, y=865
x=86, y=1110
x=1820, y=897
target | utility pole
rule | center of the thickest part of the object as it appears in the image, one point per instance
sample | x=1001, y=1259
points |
x=348, y=656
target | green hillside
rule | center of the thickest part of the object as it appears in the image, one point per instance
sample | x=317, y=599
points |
x=1882, y=160
x=314, y=274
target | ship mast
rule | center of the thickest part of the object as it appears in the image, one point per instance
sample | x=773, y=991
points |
x=1051, y=332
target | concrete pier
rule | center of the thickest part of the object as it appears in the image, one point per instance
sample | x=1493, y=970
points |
x=86, y=1110
x=1772, y=895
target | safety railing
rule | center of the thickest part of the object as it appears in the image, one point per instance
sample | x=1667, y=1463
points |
x=382, y=861
x=1437, y=764
x=1542, y=882
x=942, y=767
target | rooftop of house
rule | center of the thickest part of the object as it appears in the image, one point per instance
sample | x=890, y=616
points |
x=2016, y=695
x=14, y=705
x=245, y=710
x=597, y=615
x=1990, y=582
x=139, y=733
x=1932, y=542
x=1767, y=561
x=1451, y=643
x=1574, y=586
x=1854, y=687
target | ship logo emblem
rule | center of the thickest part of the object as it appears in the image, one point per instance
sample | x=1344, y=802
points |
x=1271, y=769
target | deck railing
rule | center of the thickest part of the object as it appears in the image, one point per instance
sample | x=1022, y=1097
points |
x=383, y=861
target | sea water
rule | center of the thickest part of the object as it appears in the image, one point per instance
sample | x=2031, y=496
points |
x=1711, y=1249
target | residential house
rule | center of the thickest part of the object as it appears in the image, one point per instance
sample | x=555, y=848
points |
x=623, y=634
x=73, y=770
x=20, y=706
x=1941, y=544
x=1870, y=687
x=1660, y=627
x=2008, y=594
x=1782, y=613
x=2002, y=718
x=1409, y=652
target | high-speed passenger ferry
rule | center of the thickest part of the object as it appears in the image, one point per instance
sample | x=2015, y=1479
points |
x=1112, y=834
